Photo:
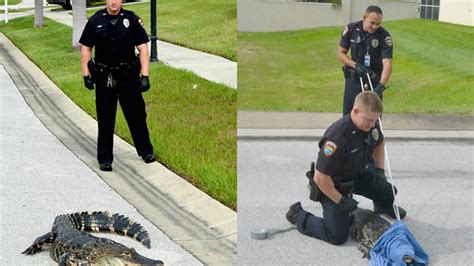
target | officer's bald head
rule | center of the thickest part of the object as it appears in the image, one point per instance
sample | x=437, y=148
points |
x=367, y=109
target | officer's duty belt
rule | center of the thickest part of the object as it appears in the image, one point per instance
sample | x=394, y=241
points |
x=350, y=73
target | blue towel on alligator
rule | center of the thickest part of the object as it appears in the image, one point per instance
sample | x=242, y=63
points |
x=395, y=243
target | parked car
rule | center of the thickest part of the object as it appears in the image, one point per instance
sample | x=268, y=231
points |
x=66, y=4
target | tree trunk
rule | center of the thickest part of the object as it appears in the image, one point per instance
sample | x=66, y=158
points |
x=38, y=13
x=78, y=21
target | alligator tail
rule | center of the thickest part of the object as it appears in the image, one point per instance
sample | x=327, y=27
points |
x=107, y=222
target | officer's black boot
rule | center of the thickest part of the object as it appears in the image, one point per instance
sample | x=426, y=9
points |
x=149, y=158
x=293, y=211
x=388, y=210
x=107, y=167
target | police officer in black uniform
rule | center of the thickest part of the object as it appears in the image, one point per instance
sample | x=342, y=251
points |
x=115, y=71
x=350, y=161
x=371, y=52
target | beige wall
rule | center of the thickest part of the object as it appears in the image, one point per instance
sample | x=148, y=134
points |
x=457, y=11
x=284, y=15
x=254, y=15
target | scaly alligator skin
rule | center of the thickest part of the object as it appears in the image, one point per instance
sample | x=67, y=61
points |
x=366, y=228
x=71, y=245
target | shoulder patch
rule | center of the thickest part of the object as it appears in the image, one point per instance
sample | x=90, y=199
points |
x=388, y=41
x=329, y=148
x=375, y=134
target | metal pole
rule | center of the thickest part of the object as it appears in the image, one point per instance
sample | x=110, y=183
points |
x=154, y=52
x=6, y=11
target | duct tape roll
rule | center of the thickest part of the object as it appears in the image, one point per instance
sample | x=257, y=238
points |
x=259, y=234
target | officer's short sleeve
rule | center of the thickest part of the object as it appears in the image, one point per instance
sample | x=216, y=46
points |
x=345, y=38
x=88, y=37
x=377, y=132
x=330, y=157
x=387, y=45
x=140, y=35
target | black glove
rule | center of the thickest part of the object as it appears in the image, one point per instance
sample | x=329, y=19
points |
x=143, y=83
x=88, y=83
x=379, y=89
x=380, y=179
x=347, y=204
x=361, y=70
x=310, y=174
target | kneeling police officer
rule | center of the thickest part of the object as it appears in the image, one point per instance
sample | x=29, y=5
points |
x=115, y=71
x=350, y=161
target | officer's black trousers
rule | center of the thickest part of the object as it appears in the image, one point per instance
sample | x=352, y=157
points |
x=334, y=226
x=352, y=88
x=133, y=107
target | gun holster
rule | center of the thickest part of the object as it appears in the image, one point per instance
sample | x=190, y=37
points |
x=315, y=193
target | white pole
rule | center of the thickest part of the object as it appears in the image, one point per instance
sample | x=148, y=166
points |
x=395, y=206
x=6, y=11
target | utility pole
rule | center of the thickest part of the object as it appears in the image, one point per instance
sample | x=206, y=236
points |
x=154, y=52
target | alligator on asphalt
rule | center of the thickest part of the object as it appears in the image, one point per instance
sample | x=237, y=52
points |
x=71, y=245
x=366, y=228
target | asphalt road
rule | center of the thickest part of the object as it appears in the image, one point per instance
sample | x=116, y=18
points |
x=435, y=181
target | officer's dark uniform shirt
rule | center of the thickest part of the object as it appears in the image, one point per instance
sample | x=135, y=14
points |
x=378, y=45
x=345, y=150
x=114, y=36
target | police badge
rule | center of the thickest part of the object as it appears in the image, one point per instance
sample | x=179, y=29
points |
x=126, y=22
x=375, y=43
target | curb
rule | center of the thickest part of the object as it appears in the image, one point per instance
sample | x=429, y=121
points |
x=191, y=218
x=396, y=135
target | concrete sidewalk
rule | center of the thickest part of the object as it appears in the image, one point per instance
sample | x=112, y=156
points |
x=211, y=67
x=191, y=218
x=41, y=179
x=301, y=125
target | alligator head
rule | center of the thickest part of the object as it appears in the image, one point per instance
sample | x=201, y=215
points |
x=118, y=254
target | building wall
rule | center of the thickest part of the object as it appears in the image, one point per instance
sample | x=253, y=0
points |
x=457, y=11
x=285, y=15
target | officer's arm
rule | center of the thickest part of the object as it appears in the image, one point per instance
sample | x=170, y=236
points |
x=379, y=155
x=344, y=58
x=144, y=58
x=326, y=186
x=387, y=70
x=86, y=53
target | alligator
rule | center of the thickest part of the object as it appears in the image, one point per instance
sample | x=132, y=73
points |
x=72, y=245
x=366, y=228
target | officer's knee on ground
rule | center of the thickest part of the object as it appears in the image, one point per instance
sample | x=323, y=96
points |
x=338, y=238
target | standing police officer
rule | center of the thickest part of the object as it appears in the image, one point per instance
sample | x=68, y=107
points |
x=350, y=160
x=371, y=52
x=116, y=73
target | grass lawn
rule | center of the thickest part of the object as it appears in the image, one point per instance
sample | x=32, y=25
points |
x=10, y=2
x=205, y=25
x=193, y=130
x=433, y=70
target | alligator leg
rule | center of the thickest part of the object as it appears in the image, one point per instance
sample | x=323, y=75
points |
x=70, y=258
x=364, y=247
x=47, y=238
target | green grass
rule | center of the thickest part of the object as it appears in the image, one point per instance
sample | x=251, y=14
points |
x=193, y=130
x=205, y=25
x=298, y=71
x=16, y=10
x=10, y=2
